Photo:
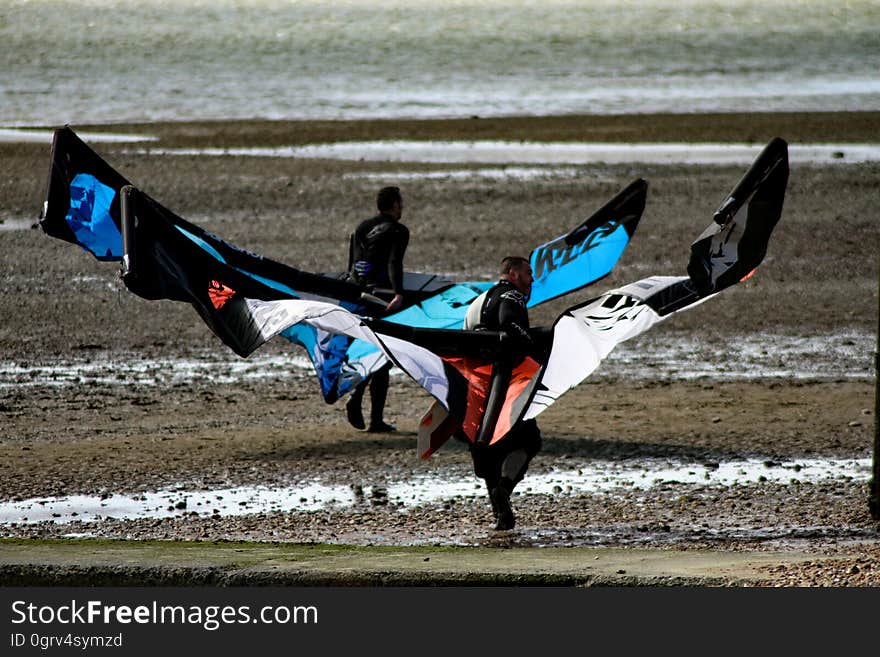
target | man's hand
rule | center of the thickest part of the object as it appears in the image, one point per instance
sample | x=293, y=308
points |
x=395, y=303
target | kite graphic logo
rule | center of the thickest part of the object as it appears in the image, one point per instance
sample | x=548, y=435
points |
x=219, y=294
x=550, y=258
x=89, y=216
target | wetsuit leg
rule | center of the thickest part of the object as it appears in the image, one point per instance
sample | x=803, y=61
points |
x=526, y=443
x=353, y=406
x=488, y=461
x=379, y=382
x=503, y=465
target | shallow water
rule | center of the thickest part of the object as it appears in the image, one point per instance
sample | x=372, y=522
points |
x=589, y=478
x=760, y=356
x=82, y=61
x=138, y=371
x=549, y=153
x=476, y=173
x=21, y=136
x=17, y=223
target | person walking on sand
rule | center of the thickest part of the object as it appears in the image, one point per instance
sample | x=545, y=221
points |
x=376, y=255
x=503, y=464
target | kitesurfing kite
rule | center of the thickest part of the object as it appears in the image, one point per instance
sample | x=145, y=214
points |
x=455, y=366
x=85, y=205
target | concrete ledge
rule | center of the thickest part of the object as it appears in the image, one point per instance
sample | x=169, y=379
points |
x=158, y=563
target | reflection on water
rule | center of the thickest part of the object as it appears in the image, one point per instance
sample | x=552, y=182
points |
x=547, y=153
x=19, y=136
x=486, y=173
x=139, y=371
x=755, y=356
x=17, y=224
x=177, y=60
x=588, y=478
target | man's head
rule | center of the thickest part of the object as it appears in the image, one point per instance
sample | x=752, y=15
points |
x=389, y=201
x=518, y=271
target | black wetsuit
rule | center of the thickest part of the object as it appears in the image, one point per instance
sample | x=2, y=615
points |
x=377, y=249
x=503, y=464
x=504, y=309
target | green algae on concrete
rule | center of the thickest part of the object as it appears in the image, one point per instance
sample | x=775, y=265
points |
x=87, y=562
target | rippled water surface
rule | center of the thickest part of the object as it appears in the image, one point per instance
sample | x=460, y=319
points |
x=594, y=477
x=833, y=356
x=84, y=61
x=544, y=153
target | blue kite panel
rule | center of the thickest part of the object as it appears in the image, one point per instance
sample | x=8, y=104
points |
x=89, y=217
x=329, y=355
x=559, y=268
x=444, y=310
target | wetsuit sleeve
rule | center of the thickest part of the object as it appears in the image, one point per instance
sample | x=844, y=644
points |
x=542, y=341
x=395, y=259
x=513, y=319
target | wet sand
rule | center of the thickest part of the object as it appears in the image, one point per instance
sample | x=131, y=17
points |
x=819, y=278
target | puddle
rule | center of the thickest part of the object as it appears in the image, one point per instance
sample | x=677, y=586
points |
x=830, y=356
x=837, y=356
x=17, y=224
x=501, y=152
x=782, y=537
x=498, y=173
x=593, y=477
x=153, y=372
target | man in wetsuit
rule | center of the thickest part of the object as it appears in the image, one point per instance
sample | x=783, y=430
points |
x=376, y=264
x=504, y=464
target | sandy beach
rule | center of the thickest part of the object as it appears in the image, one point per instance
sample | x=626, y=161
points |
x=820, y=278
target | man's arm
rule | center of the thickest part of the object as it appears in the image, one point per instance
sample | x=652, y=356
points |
x=395, y=263
x=395, y=303
x=513, y=319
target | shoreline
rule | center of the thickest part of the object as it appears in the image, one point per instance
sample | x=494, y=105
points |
x=758, y=127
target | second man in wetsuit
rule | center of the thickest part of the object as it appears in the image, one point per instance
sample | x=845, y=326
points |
x=376, y=264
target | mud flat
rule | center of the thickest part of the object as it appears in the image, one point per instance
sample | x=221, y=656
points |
x=694, y=395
